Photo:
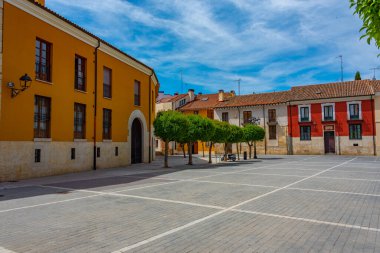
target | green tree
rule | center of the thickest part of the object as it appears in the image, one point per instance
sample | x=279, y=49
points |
x=253, y=134
x=198, y=127
x=220, y=136
x=369, y=12
x=358, y=76
x=208, y=134
x=236, y=136
x=169, y=126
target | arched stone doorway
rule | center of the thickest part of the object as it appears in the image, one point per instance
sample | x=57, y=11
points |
x=137, y=142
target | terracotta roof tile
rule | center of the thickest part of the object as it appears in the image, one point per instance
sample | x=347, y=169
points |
x=256, y=99
x=334, y=90
x=205, y=101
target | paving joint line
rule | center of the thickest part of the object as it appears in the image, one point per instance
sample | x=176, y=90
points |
x=154, y=238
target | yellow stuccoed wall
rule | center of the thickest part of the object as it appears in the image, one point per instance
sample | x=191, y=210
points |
x=17, y=141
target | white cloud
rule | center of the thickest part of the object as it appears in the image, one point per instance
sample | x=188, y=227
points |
x=269, y=44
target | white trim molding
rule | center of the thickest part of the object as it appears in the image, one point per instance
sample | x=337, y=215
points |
x=360, y=109
x=323, y=111
x=299, y=112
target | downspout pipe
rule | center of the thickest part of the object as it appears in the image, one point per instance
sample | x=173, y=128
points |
x=373, y=126
x=150, y=117
x=95, y=101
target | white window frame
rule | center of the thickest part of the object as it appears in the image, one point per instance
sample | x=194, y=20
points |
x=299, y=112
x=360, y=109
x=323, y=110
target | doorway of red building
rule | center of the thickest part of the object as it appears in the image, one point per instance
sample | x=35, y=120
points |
x=329, y=142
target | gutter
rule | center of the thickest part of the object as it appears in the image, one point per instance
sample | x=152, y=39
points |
x=95, y=101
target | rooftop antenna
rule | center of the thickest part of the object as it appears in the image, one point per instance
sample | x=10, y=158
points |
x=238, y=82
x=341, y=67
x=181, y=80
x=374, y=72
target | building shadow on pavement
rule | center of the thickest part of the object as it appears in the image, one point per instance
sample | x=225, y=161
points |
x=133, y=176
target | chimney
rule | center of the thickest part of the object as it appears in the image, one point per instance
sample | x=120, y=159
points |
x=161, y=91
x=176, y=94
x=200, y=93
x=233, y=93
x=221, y=96
x=191, y=94
x=40, y=2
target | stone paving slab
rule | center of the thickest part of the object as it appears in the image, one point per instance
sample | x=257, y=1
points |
x=100, y=224
x=342, y=185
x=115, y=183
x=202, y=193
x=324, y=206
x=282, y=171
x=237, y=232
x=351, y=175
x=34, y=195
x=107, y=223
x=255, y=179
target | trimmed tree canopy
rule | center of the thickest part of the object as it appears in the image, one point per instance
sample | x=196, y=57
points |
x=253, y=133
x=170, y=125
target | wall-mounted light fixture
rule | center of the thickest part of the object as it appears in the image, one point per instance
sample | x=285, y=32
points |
x=25, y=82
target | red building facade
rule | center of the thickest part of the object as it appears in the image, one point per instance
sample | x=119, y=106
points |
x=337, y=118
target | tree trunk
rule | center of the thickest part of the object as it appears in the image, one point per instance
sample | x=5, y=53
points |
x=183, y=150
x=209, y=153
x=189, y=146
x=254, y=150
x=250, y=151
x=225, y=151
x=166, y=164
x=237, y=151
x=203, y=148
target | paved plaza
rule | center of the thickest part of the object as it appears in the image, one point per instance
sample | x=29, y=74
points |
x=274, y=204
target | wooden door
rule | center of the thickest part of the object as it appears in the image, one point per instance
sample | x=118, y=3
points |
x=330, y=142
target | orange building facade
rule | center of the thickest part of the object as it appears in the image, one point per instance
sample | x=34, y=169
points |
x=87, y=105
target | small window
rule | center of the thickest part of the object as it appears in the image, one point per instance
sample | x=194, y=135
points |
x=354, y=110
x=116, y=151
x=304, y=114
x=107, y=82
x=107, y=124
x=182, y=102
x=328, y=112
x=42, y=117
x=79, y=121
x=355, y=132
x=225, y=116
x=305, y=134
x=73, y=154
x=43, y=60
x=272, y=115
x=247, y=116
x=272, y=132
x=196, y=112
x=137, y=93
x=37, y=155
x=156, y=143
x=80, y=73
x=98, y=152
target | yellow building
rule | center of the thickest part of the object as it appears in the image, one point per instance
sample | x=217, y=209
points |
x=69, y=101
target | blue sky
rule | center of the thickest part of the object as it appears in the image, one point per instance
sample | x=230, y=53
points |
x=270, y=45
